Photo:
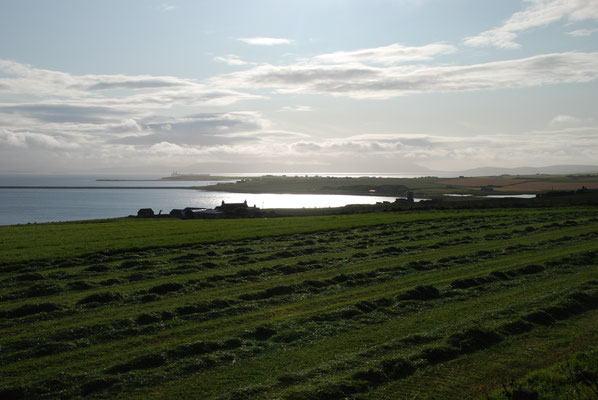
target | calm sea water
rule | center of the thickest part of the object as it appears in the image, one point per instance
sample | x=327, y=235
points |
x=21, y=206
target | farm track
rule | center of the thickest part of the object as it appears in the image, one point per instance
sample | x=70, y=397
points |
x=329, y=314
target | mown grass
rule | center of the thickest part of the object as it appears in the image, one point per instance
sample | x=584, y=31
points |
x=39, y=241
x=446, y=304
x=66, y=239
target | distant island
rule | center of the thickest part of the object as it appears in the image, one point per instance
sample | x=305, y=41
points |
x=400, y=187
x=175, y=177
x=427, y=186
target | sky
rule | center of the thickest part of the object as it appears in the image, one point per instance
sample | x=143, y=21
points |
x=386, y=86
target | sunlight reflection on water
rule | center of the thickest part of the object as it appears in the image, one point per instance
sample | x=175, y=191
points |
x=270, y=200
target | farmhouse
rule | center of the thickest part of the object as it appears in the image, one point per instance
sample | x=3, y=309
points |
x=224, y=210
x=237, y=209
x=224, y=207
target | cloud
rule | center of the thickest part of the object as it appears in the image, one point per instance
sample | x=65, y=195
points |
x=35, y=140
x=564, y=119
x=116, y=83
x=172, y=149
x=49, y=142
x=25, y=81
x=11, y=139
x=367, y=145
x=50, y=116
x=147, y=120
x=265, y=41
x=100, y=117
x=538, y=13
x=287, y=150
x=268, y=135
x=387, y=55
x=207, y=129
x=231, y=59
x=456, y=152
x=65, y=113
x=166, y=7
x=582, y=32
x=296, y=108
x=361, y=81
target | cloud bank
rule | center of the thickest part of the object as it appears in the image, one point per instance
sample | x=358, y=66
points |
x=140, y=91
x=54, y=117
x=359, y=80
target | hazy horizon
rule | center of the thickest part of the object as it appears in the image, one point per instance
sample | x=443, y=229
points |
x=390, y=86
x=160, y=173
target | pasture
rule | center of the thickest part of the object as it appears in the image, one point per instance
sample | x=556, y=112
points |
x=434, y=304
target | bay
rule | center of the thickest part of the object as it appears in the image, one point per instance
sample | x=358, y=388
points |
x=35, y=205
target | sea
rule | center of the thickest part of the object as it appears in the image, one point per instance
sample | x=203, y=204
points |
x=37, y=198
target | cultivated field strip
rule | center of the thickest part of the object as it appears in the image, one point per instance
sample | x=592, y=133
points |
x=332, y=313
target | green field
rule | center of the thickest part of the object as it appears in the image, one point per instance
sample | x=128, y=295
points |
x=414, y=304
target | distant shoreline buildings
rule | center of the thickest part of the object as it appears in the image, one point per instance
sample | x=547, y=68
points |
x=224, y=210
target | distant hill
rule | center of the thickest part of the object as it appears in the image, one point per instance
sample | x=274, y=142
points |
x=553, y=169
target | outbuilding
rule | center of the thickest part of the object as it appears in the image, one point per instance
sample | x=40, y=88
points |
x=191, y=212
x=145, y=213
x=176, y=212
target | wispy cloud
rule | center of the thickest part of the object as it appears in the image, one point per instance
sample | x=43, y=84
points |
x=296, y=108
x=231, y=59
x=564, y=119
x=538, y=13
x=265, y=41
x=361, y=81
x=138, y=91
x=167, y=7
x=582, y=32
x=65, y=113
x=387, y=55
x=454, y=152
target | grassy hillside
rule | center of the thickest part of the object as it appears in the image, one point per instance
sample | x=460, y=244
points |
x=330, y=185
x=449, y=305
